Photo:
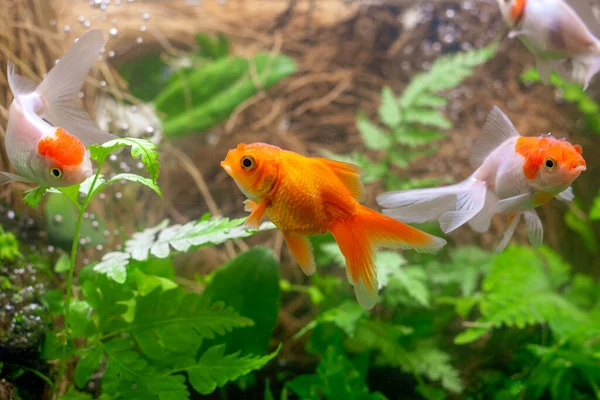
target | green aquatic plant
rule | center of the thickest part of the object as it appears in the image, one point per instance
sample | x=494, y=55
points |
x=208, y=89
x=573, y=93
x=412, y=121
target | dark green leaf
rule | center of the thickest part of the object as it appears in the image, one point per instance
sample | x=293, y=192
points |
x=249, y=284
x=214, y=369
x=79, y=312
x=32, y=197
x=146, y=75
x=268, y=68
x=87, y=364
x=63, y=264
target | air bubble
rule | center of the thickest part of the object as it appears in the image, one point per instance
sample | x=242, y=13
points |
x=111, y=54
x=113, y=32
x=11, y=214
x=81, y=18
x=87, y=24
x=67, y=28
x=103, y=83
x=99, y=247
x=58, y=218
x=80, y=95
x=118, y=195
x=146, y=16
x=113, y=157
x=52, y=22
x=139, y=39
x=143, y=28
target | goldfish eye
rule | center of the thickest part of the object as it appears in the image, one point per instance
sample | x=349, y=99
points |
x=56, y=173
x=248, y=163
x=549, y=164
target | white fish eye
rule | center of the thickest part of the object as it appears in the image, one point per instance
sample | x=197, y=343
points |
x=549, y=164
x=56, y=173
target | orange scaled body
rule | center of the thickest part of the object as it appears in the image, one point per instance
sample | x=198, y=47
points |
x=307, y=196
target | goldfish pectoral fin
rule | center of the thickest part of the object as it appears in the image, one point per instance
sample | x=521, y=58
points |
x=566, y=195
x=366, y=296
x=301, y=249
x=514, y=34
x=7, y=177
x=496, y=130
x=349, y=174
x=257, y=214
x=592, y=66
x=61, y=86
x=512, y=203
x=534, y=228
x=250, y=206
x=513, y=222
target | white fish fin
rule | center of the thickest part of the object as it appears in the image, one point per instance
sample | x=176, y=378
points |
x=514, y=34
x=60, y=89
x=7, y=177
x=19, y=85
x=513, y=203
x=468, y=204
x=508, y=234
x=428, y=210
x=566, y=195
x=592, y=66
x=534, y=228
x=584, y=11
x=421, y=205
x=481, y=222
x=496, y=130
x=364, y=298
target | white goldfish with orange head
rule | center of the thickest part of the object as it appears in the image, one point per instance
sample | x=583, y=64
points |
x=53, y=155
x=557, y=32
x=514, y=175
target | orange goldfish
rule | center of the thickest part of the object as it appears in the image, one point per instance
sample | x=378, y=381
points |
x=308, y=196
x=514, y=175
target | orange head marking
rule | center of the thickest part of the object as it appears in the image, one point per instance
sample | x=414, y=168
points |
x=64, y=148
x=517, y=9
x=550, y=163
x=253, y=167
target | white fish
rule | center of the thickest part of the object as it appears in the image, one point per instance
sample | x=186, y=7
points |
x=557, y=32
x=514, y=175
x=53, y=155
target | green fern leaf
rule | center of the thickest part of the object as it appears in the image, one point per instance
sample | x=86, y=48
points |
x=427, y=116
x=214, y=369
x=374, y=138
x=389, y=112
x=139, y=148
x=161, y=240
x=445, y=73
x=173, y=321
x=434, y=363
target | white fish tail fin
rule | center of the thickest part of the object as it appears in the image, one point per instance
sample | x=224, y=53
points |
x=60, y=88
x=468, y=204
x=19, y=85
x=420, y=205
x=546, y=67
x=509, y=233
x=452, y=205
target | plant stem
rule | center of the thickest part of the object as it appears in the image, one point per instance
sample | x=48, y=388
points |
x=74, y=247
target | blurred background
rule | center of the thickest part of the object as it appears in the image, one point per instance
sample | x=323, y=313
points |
x=400, y=88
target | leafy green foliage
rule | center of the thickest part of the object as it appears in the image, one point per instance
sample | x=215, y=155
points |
x=336, y=377
x=230, y=86
x=412, y=121
x=574, y=93
x=159, y=241
x=235, y=283
x=9, y=246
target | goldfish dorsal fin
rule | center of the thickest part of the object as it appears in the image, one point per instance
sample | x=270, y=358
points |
x=349, y=174
x=19, y=85
x=584, y=11
x=60, y=90
x=496, y=130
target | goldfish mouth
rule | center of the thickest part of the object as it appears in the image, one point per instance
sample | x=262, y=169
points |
x=579, y=169
x=226, y=167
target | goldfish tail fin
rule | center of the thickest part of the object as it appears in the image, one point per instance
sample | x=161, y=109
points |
x=357, y=237
x=61, y=86
x=19, y=85
x=592, y=66
x=452, y=205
